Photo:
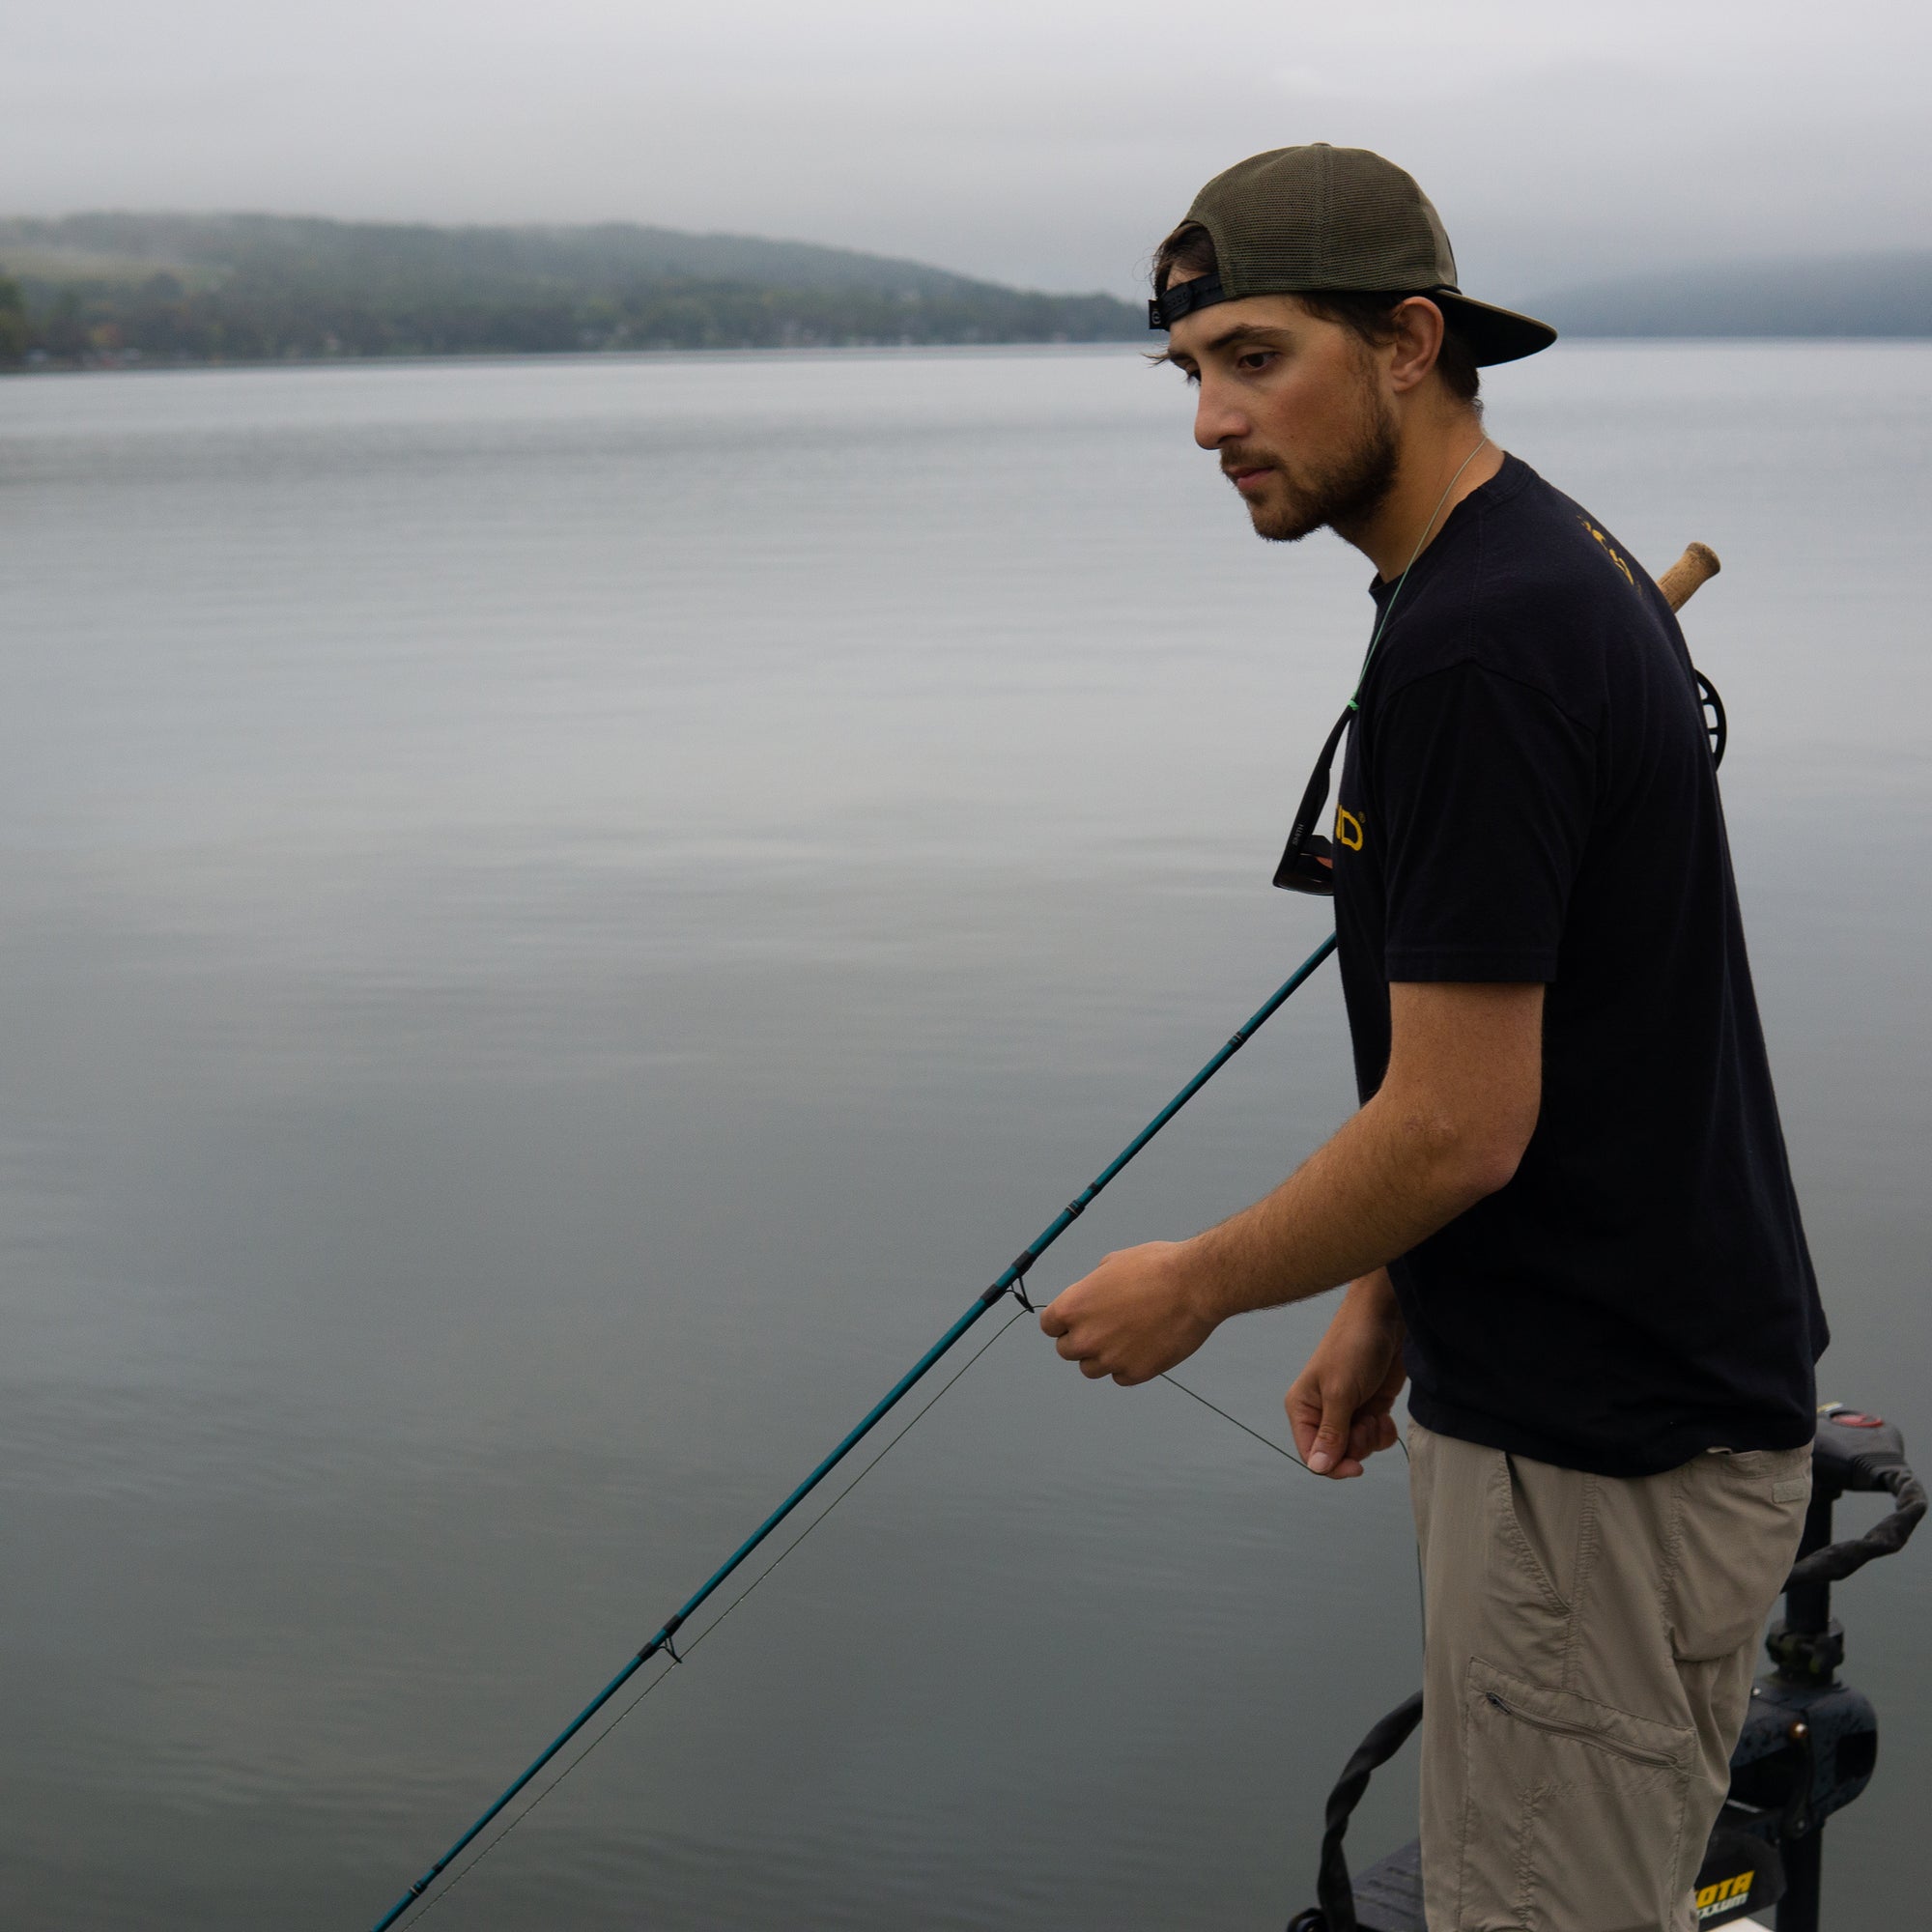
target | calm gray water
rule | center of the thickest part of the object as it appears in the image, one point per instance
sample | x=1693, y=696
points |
x=564, y=917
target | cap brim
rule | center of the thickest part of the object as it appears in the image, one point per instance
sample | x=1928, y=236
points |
x=1493, y=334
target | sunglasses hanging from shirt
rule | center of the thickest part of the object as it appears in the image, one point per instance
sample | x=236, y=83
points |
x=1308, y=861
x=1308, y=864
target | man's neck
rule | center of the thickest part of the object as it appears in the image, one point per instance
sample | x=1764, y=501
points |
x=1426, y=488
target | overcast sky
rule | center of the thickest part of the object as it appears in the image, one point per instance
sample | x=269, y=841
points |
x=1045, y=142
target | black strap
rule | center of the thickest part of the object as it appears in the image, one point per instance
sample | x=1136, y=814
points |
x=1179, y=299
x=1298, y=872
x=1333, y=1888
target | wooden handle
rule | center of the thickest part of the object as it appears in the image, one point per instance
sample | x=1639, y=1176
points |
x=1696, y=566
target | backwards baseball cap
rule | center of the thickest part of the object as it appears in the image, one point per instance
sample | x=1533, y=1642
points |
x=1319, y=219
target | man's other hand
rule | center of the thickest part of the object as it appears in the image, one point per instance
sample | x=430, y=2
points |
x=1340, y=1406
x=1133, y=1316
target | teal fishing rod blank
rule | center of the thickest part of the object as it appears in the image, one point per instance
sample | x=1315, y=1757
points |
x=1009, y=1282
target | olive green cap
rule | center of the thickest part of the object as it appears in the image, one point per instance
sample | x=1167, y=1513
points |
x=1318, y=219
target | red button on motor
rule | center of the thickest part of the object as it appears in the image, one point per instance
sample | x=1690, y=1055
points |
x=1851, y=1418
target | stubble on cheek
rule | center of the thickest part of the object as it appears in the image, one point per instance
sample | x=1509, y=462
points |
x=1343, y=488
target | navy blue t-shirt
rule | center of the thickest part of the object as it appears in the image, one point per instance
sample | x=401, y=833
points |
x=1529, y=795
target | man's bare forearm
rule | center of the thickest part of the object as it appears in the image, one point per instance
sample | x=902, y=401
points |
x=1389, y=1178
x=1448, y=1125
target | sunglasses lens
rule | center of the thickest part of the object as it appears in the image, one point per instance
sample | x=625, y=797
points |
x=1306, y=868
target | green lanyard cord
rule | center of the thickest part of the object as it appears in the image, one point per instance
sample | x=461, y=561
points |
x=1388, y=610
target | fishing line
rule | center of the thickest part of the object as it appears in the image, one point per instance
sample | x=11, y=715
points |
x=1289, y=1456
x=455, y=1878
x=1266, y=1441
x=1009, y=1282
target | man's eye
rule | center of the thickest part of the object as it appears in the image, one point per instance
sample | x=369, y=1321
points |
x=1254, y=360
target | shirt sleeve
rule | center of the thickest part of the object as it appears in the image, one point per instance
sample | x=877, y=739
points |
x=1486, y=793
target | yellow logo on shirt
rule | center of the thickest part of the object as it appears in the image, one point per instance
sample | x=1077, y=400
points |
x=1609, y=550
x=1347, y=829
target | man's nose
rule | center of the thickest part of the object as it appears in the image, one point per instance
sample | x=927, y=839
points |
x=1217, y=419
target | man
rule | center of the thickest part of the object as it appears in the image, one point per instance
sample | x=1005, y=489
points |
x=1564, y=1212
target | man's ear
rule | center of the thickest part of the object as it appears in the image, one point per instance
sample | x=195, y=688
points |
x=1418, y=341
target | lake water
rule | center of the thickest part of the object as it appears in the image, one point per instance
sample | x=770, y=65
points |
x=563, y=918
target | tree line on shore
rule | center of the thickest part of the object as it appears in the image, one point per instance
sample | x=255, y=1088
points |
x=102, y=290
x=106, y=290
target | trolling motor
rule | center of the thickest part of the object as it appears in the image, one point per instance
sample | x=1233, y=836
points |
x=1808, y=1745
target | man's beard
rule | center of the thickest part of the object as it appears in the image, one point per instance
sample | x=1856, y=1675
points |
x=1344, y=492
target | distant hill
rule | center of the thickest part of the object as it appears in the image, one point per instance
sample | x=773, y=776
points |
x=100, y=289
x=184, y=288
x=1871, y=295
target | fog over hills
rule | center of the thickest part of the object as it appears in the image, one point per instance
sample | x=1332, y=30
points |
x=260, y=287
x=1865, y=295
x=456, y=259
x=113, y=288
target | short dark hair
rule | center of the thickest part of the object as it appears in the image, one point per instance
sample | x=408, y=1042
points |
x=1189, y=253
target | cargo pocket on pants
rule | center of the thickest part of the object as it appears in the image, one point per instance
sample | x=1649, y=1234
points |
x=1574, y=1811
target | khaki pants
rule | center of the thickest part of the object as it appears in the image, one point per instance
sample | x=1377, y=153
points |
x=1591, y=1643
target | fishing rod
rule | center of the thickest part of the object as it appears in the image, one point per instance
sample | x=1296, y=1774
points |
x=1679, y=583
x=1012, y=1281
